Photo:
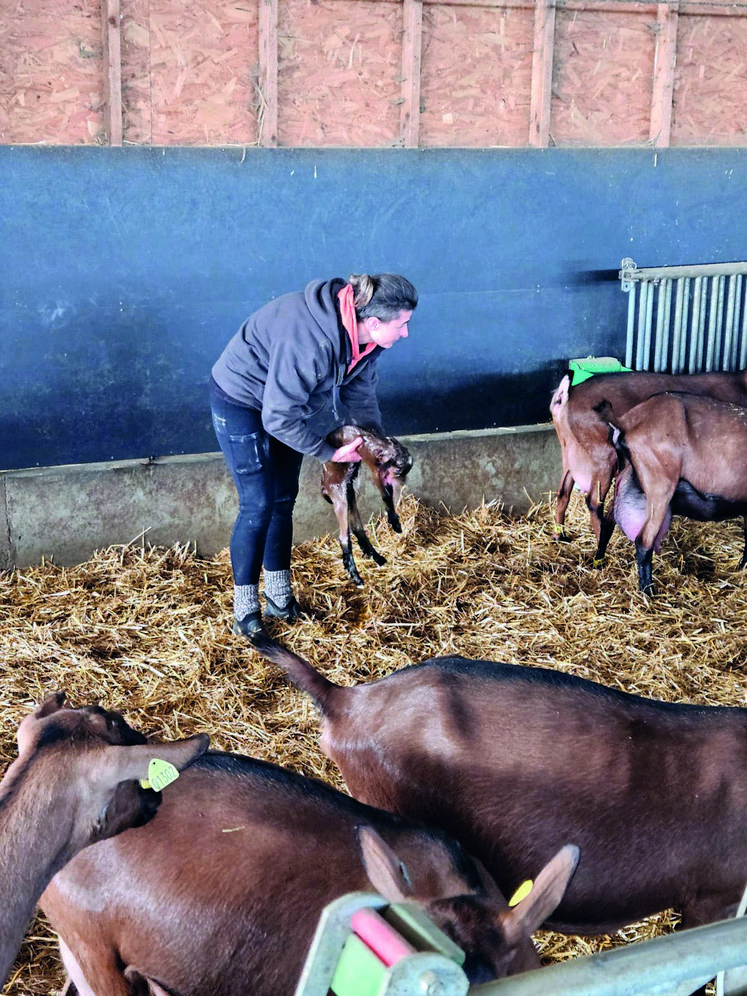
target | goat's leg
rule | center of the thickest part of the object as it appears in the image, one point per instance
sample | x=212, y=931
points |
x=358, y=530
x=106, y=978
x=562, y=498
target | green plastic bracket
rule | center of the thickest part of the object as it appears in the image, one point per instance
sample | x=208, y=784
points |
x=582, y=369
x=359, y=972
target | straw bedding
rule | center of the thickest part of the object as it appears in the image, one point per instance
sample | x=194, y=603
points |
x=146, y=631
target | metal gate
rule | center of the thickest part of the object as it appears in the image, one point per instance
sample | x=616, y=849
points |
x=686, y=319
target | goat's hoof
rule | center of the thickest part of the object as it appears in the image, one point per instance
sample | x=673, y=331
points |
x=378, y=559
x=356, y=578
x=597, y=562
x=396, y=525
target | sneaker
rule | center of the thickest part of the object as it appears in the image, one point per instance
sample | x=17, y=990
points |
x=250, y=626
x=291, y=611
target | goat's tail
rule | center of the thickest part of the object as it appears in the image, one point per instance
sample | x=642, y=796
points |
x=299, y=672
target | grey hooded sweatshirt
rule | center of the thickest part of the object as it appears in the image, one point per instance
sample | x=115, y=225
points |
x=289, y=360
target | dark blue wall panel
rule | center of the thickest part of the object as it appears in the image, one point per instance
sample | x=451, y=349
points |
x=125, y=271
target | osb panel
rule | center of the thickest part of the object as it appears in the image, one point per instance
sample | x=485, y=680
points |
x=602, y=78
x=710, y=90
x=203, y=64
x=339, y=69
x=476, y=76
x=51, y=84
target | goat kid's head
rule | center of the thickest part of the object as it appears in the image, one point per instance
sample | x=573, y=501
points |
x=90, y=764
x=495, y=938
x=393, y=469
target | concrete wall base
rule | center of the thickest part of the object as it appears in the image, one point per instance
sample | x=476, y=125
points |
x=66, y=513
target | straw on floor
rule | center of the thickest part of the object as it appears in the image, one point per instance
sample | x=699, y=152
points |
x=146, y=631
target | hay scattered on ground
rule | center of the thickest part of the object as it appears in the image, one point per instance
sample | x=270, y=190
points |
x=146, y=631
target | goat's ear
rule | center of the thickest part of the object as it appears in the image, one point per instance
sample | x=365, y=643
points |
x=52, y=703
x=126, y=763
x=545, y=894
x=386, y=872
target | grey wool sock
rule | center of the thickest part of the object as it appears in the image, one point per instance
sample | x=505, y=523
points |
x=278, y=587
x=245, y=600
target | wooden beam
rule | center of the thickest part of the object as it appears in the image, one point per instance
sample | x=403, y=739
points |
x=267, y=105
x=112, y=43
x=412, y=45
x=660, y=130
x=542, y=60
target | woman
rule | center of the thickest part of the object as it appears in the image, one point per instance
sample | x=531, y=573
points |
x=300, y=359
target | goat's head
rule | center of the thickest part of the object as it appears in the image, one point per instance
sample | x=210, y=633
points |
x=463, y=900
x=91, y=763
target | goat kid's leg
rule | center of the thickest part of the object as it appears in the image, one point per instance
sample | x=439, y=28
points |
x=391, y=511
x=356, y=525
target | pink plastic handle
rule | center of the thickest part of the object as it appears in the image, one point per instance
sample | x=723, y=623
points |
x=383, y=939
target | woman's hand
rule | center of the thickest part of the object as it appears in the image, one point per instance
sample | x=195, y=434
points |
x=348, y=453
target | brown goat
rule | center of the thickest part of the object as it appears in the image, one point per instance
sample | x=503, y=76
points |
x=75, y=781
x=589, y=459
x=513, y=761
x=221, y=892
x=684, y=455
x=389, y=463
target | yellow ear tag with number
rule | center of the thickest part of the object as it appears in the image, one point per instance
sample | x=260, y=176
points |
x=521, y=893
x=160, y=774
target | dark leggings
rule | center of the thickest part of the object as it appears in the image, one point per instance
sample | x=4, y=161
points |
x=265, y=472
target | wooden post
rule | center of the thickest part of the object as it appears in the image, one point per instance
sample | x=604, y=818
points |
x=112, y=71
x=412, y=42
x=542, y=59
x=267, y=109
x=660, y=131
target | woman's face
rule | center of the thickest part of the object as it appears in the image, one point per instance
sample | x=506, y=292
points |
x=384, y=334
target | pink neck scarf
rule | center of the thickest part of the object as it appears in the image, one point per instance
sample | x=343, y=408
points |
x=350, y=321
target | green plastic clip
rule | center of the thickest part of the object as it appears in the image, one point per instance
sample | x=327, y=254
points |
x=582, y=369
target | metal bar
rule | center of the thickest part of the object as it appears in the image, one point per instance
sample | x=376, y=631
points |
x=630, y=335
x=664, y=965
x=647, y=326
x=642, y=306
x=703, y=270
x=743, y=350
x=716, y=304
x=685, y=315
x=677, y=337
x=728, y=359
x=734, y=355
x=693, y=363
x=663, y=317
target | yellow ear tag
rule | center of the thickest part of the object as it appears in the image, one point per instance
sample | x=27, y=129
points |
x=160, y=774
x=521, y=893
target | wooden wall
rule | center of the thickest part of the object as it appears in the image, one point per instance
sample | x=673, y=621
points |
x=374, y=73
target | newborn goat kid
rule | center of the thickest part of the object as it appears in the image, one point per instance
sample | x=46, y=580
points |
x=75, y=781
x=389, y=462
